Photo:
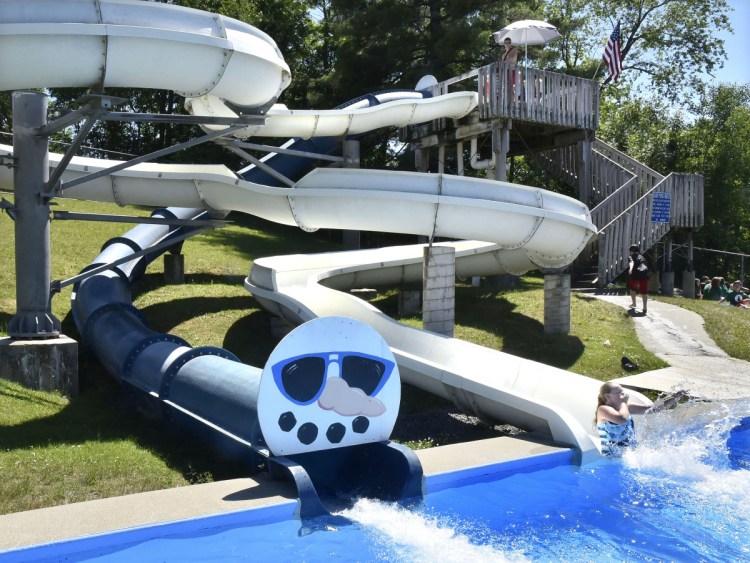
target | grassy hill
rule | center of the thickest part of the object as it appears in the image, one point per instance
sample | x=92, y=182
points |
x=56, y=450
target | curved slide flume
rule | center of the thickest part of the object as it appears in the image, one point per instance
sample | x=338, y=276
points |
x=122, y=42
x=488, y=383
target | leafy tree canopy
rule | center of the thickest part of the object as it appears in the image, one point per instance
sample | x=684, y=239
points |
x=667, y=45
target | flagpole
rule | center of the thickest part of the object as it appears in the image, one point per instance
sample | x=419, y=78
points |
x=597, y=68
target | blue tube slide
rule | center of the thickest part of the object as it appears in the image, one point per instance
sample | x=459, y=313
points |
x=207, y=390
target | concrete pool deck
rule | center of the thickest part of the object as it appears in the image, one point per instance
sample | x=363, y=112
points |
x=100, y=516
x=670, y=332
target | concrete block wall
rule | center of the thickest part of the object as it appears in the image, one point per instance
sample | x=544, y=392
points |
x=439, y=290
x=557, y=304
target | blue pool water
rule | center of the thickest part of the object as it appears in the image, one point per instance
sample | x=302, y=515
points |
x=680, y=495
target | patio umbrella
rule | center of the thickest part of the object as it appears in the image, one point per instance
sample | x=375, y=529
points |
x=527, y=32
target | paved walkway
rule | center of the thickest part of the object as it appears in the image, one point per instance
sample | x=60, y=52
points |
x=676, y=335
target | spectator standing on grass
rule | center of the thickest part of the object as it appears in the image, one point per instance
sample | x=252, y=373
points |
x=639, y=274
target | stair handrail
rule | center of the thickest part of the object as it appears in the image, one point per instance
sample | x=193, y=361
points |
x=634, y=225
x=615, y=203
x=648, y=177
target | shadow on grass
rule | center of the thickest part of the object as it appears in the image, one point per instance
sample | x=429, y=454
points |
x=250, y=339
x=490, y=312
x=271, y=238
x=152, y=282
x=163, y=317
x=107, y=415
x=521, y=335
x=4, y=321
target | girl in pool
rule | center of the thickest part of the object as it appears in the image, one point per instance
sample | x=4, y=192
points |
x=614, y=422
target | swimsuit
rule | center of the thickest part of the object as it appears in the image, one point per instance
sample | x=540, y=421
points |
x=616, y=436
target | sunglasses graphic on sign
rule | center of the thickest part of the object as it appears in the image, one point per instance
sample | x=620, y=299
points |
x=302, y=379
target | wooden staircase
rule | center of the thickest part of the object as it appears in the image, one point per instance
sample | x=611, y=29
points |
x=623, y=204
x=552, y=118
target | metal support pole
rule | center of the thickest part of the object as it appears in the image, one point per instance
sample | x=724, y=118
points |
x=585, y=169
x=742, y=270
x=500, y=147
x=350, y=150
x=688, y=276
x=33, y=317
x=499, y=172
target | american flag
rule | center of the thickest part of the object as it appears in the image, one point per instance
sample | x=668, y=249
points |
x=612, y=55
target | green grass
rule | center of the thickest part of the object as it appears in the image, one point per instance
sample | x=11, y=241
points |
x=56, y=450
x=512, y=321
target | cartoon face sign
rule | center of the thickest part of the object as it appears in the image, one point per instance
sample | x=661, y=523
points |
x=332, y=382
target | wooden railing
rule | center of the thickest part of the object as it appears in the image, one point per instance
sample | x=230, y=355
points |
x=634, y=226
x=647, y=177
x=609, y=177
x=616, y=203
x=529, y=94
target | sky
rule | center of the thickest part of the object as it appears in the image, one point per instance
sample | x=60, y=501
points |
x=737, y=45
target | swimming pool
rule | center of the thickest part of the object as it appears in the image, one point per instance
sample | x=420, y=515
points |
x=679, y=495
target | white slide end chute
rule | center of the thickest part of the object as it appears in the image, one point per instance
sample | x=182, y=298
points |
x=490, y=384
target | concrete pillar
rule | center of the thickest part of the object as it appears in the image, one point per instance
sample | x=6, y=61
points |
x=439, y=289
x=351, y=239
x=47, y=365
x=174, y=268
x=34, y=318
x=422, y=160
x=688, y=284
x=557, y=304
x=654, y=282
x=667, y=283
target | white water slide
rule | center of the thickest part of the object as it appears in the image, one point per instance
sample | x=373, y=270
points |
x=211, y=60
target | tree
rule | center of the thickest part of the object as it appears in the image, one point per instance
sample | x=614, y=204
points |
x=393, y=43
x=668, y=44
x=722, y=139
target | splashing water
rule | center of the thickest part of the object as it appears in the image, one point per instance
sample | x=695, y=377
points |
x=415, y=536
x=676, y=496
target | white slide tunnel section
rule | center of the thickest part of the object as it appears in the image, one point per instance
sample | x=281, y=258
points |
x=136, y=44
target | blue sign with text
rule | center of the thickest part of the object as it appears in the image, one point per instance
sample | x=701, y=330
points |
x=660, y=208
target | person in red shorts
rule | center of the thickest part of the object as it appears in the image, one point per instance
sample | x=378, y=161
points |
x=639, y=275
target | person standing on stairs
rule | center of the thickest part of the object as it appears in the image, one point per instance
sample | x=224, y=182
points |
x=639, y=275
